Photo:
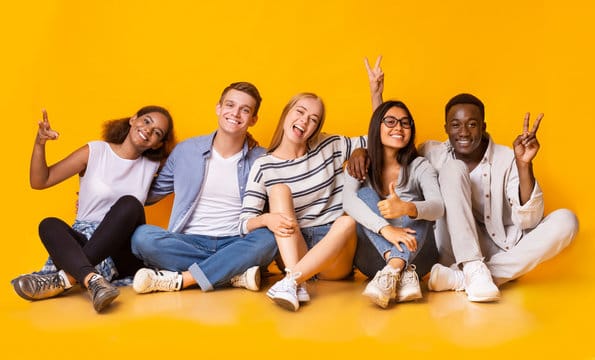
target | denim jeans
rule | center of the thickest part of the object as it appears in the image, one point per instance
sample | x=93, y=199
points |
x=212, y=261
x=371, y=247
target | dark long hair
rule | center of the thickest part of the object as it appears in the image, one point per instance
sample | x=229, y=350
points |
x=376, y=150
x=115, y=131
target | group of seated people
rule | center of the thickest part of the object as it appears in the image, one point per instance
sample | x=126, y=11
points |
x=467, y=211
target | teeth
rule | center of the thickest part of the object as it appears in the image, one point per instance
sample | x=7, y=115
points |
x=140, y=133
x=233, y=121
x=299, y=127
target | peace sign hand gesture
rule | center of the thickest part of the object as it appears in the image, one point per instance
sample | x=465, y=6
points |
x=45, y=131
x=376, y=77
x=526, y=145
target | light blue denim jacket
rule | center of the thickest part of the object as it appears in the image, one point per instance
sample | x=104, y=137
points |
x=183, y=174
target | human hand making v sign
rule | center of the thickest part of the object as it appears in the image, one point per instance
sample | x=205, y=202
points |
x=45, y=131
x=526, y=145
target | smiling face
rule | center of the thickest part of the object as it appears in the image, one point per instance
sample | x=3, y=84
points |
x=147, y=131
x=465, y=128
x=236, y=112
x=303, y=120
x=397, y=137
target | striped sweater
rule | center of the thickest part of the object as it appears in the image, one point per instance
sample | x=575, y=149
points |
x=315, y=179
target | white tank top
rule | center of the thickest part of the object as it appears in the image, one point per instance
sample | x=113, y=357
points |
x=109, y=177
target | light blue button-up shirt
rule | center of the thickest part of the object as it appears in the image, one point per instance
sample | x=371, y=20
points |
x=184, y=172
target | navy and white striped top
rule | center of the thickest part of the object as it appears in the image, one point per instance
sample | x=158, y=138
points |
x=315, y=179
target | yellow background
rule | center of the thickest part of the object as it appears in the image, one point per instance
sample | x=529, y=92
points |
x=90, y=61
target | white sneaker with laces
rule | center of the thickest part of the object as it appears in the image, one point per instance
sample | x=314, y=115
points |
x=149, y=280
x=383, y=286
x=302, y=292
x=408, y=288
x=284, y=291
x=443, y=278
x=249, y=279
x=479, y=284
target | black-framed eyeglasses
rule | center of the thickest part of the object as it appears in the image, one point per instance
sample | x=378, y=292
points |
x=391, y=122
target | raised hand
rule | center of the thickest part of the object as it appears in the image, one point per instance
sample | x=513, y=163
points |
x=375, y=77
x=393, y=207
x=45, y=131
x=526, y=145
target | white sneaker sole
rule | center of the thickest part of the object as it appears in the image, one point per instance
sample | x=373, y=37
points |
x=285, y=303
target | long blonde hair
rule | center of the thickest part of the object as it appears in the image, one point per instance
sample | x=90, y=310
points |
x=278, y=134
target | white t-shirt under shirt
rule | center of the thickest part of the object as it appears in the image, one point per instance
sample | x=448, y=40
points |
x=108, y=177
x=219, y=204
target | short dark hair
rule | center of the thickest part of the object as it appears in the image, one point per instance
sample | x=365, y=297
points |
x=247, y=88
x=464, y=98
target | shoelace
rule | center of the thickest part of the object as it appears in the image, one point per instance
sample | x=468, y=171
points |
x=408, y=276
x=95, y=285
x=52, y=281
x=289, y=282
x=387, y=280
x=162, y=281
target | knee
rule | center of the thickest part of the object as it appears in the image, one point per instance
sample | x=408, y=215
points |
x=49, y=224
x=566, y=221
x=368, y=195
x=347, y=223
x=142, y=240
x=128, y=204
x=279, y=191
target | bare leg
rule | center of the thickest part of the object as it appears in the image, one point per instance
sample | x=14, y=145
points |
x=332, y=257
x=292, y=248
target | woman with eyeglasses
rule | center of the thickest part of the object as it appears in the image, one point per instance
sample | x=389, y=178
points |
x=394, y=206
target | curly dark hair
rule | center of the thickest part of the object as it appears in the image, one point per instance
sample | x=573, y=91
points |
x=115, y=131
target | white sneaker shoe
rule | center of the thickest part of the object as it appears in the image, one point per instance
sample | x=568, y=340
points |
x=149, y=280
x=249, y=279
x=301, y=291
x=479, y=284
x=443, y=278
x=382, y=287
x=284, y=291
x=408, y=288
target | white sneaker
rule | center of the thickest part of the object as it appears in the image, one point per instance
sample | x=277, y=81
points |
x=301, y=291
x=284, y=291
x=249, y=279
x=382, y=287
x=408, y=288
x=149, y=280
x=479, y=284
x=443, y=278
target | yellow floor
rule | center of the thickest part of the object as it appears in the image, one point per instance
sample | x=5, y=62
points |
x=546, y=314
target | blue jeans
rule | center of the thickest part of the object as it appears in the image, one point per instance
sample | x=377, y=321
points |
x=371, y=247
x=212, y=261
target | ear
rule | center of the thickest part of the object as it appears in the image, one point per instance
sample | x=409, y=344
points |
x=218, y=109
x=253, y=120
x=132, y=120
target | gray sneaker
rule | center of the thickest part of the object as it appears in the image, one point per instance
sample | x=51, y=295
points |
x=249, y=279
x=102, y=292
x=37, y=287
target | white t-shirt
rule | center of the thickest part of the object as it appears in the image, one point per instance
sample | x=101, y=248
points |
x=219, y=204
x=108, y=177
